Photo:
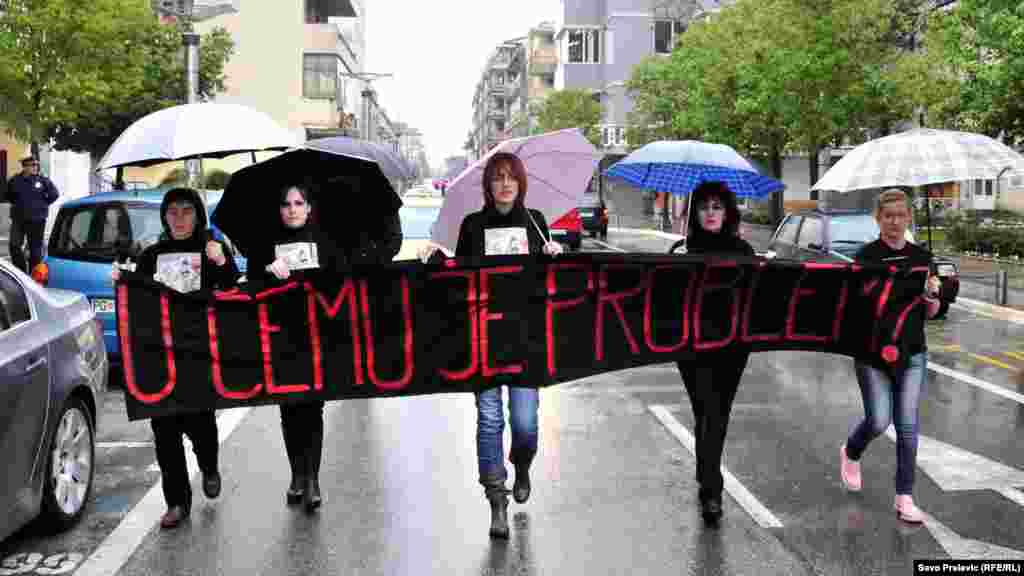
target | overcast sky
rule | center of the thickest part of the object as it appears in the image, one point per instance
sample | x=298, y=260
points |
x=436, y=51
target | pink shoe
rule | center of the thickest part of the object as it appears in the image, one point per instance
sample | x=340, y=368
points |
x=849, y=471
x=906, y=510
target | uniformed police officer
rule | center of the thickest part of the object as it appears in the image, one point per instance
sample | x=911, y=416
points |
x=30, y=195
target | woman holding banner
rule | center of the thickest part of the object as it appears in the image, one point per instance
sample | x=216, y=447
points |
x=504, y=226
x=186, y=259
x=712, y=377
x=893, y=395
x=296, y=246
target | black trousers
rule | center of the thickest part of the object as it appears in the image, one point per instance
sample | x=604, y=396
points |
x=302, y=426
x=33, y=231
x=168, y=431
x=711, y=385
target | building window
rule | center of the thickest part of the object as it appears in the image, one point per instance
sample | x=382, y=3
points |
x=666, y=33
x=319, y=76
x=584, y=46
x=620, y=136
x=606, y=136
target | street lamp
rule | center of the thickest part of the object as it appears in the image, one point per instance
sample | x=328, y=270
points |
x=189, y=12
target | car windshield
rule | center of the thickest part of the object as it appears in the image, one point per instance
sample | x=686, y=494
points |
x=853, y=229
x=416, y=220
x=98, y=232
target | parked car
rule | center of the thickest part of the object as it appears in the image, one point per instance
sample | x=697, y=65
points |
x=836, y=235
x=417, y=214
x=594, y=216
x=53, y=365
x=568, y=229
x=91, y=232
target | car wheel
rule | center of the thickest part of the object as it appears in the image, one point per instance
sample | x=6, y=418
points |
x=69, y=467
x=943, y=308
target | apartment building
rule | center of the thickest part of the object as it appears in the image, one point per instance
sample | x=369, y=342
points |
x=517, y=75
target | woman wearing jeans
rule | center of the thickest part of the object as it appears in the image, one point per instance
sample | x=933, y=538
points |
x=888, y=394
x=504, y=226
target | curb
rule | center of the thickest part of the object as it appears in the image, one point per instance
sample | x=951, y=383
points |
x=994, y=310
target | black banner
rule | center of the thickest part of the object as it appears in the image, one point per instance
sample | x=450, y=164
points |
x=410, y=329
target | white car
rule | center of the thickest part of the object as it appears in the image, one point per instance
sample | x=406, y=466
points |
x=418, y=214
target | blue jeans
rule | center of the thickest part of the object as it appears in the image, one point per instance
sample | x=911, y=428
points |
x=490, y=428
x=885, y=401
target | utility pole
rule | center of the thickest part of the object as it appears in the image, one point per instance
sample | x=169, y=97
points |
x=188, y=12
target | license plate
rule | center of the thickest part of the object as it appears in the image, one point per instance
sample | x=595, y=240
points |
x=586, y=214
x=557, y=232
x=103, y=306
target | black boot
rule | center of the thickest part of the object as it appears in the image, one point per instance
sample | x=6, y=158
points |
x=312, y=497
x=497, y=496
x=499, y=515
x=521, y=487
x=296, y=460
x=711, y=510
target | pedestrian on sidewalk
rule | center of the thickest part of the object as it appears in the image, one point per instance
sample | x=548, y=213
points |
x=712, y=377
x=30, y=195
x=186, y=258
x=893, y=395
x=504, y=226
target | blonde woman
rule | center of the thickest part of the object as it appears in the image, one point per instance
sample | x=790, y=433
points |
x=893, y=395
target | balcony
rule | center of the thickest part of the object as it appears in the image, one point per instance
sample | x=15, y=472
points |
x=498, y=113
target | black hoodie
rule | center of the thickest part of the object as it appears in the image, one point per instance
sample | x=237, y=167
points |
x=212, y=276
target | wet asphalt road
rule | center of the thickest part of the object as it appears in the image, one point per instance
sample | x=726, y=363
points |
x=614, y=489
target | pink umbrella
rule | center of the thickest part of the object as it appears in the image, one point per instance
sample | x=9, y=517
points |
x=559, y=165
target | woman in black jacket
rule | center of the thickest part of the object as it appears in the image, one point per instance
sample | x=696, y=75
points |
x=186, y=259
x=713, y=376
x=505, y=226
x=295, y=247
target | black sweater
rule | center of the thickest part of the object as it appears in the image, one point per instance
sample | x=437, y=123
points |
x=213, y=277
x=472, y=232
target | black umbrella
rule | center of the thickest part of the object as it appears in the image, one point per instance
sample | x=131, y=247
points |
x=391, y=163
x=349, y=193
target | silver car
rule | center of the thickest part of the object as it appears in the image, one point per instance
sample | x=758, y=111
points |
x=53, y=365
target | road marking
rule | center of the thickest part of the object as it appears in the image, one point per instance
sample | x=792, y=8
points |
x=953, y=469
x=120, y=544
x=992, y=361
x=968, y=379
x=123, y=444
x=949, y=348
x=1015, y=355
x=607, y=245
x=743, y=497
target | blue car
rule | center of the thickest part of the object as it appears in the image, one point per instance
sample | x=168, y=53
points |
x=90, y=232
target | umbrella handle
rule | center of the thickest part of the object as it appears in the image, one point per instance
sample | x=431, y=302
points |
x=537, y=226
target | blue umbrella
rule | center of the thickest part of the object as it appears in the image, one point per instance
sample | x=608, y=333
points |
x=678, y=167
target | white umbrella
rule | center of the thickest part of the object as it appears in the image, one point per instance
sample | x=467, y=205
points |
x=558, y=167
x=201, y=130
x=920, y=157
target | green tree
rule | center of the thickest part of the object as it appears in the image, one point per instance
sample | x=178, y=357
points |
x=983, y=40
x=63, y=57
x=162, y=85
x=571, y=109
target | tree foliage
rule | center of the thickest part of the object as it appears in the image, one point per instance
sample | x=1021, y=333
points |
x=65, y=56
x=983, y=43
x=574, y=108
x=82, y=72
x=163, y=85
